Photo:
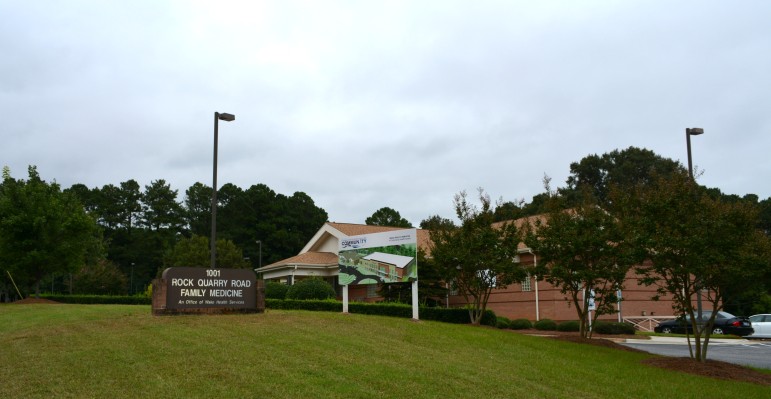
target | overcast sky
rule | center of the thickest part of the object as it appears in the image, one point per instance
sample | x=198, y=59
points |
x=366, y=104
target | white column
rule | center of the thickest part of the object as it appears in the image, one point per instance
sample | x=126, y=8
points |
x=537, y=310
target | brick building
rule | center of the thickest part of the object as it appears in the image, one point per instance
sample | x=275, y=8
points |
x=529, y=299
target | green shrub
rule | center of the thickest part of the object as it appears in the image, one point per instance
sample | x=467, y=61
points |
x=488, y=318
x=274, y=290
x=605, y=327
x=572, y=325
x=310, y=288
x=502, y=322
x=520, y=324
x=545, y=325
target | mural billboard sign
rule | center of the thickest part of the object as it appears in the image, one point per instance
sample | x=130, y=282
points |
x=388, y=257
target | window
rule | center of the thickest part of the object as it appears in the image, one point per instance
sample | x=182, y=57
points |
x=487, y=277
x=526, y=284
x=371, y=290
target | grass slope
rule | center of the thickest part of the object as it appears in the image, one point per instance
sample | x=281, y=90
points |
x=121, y=351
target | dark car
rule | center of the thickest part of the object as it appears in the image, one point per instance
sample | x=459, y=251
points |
x=725, y=323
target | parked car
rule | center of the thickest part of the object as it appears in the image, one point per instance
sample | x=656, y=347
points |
x=761, y=323
x=725, y=323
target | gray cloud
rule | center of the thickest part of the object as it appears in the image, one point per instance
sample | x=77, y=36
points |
x=370, y=104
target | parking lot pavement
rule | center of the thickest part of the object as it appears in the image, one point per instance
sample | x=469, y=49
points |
x=744, y=352
x=684, y=341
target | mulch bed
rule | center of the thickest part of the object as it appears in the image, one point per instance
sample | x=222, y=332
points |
x=606, y=341
x=710, y=368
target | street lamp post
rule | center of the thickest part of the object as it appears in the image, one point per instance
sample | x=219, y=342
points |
x=694, y=131
x=217, y=117
x=259, y=242
x=131, y=291
x=691, y=131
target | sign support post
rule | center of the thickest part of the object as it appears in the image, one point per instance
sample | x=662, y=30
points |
x=345, y=299
x=415, y=300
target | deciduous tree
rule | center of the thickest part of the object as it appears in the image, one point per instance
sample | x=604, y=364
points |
x=582, y=252
x=101, y=277
x=477, y=256
x=386, y=216
x=42, y=229
x=694, y=243
x=436, y=222
x=195, y=252
x=625, y=169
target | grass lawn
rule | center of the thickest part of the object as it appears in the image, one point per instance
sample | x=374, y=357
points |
x=120, y=351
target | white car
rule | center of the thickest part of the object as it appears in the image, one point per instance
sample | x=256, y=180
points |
x=762, y=325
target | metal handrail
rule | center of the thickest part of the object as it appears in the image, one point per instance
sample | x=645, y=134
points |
x=646, y=323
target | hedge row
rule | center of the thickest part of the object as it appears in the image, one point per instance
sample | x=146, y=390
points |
x=99, y=299
x=453, y=315
x=327, y=305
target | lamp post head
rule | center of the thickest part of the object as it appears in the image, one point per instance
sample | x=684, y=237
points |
x=694, y=131
x=226, y=117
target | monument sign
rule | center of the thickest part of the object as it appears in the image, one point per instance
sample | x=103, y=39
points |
x=205, y=290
